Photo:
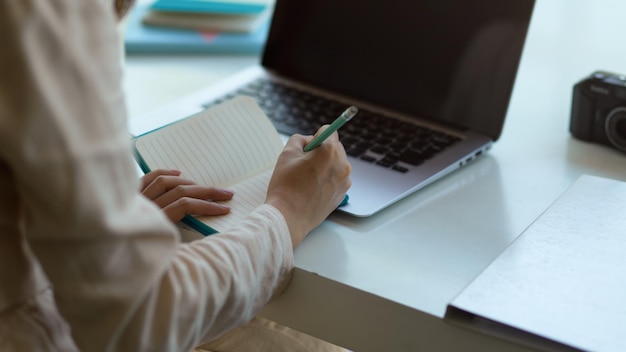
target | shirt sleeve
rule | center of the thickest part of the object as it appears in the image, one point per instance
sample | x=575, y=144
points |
x=121, y=278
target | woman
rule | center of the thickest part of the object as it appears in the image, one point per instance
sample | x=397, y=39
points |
x=86, y=261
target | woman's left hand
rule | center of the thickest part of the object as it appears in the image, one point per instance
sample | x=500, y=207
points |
x=178, y=196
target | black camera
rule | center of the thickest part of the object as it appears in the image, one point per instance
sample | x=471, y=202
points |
x=599, y=109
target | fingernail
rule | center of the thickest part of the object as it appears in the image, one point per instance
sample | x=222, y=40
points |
x=223, y=207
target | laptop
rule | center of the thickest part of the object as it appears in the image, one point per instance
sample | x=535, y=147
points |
x=432, y=80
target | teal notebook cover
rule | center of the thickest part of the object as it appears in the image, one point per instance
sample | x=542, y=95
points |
x=234, y=7
x=142, y=39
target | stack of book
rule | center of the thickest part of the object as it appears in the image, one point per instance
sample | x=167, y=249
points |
x=199, y=26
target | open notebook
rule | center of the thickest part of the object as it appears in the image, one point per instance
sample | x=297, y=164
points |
x=232, y=145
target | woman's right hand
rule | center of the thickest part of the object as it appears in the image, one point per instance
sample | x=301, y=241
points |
x=307, y=187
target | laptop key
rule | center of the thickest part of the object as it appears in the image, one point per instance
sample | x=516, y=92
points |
x=412, y=157
x=386, y=162
x=399, y=168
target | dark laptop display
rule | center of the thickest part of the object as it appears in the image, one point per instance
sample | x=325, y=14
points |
x=451, y=61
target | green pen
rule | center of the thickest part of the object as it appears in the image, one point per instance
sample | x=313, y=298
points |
x=340, y=121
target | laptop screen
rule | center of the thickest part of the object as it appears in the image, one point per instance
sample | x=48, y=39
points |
x=451, y=61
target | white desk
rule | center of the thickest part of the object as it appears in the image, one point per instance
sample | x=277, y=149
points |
x=382, y=283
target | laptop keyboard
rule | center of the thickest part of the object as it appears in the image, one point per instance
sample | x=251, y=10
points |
x=370, y=136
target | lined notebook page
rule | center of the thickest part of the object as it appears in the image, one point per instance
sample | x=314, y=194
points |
x=249, y=194
x=232, y=145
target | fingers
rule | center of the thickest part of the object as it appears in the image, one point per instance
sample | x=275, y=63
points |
x=176, y=210
x=152, y=175
x=163, y=184
x=193, y=200
x=332, y=138
x=178, y=196
x=194, y=192
x=298, y=140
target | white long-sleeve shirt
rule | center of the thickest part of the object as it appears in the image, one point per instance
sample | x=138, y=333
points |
x=85, y=261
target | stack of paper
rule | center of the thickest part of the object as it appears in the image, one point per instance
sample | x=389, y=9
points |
x=239, y=16
x=214, y=26
x=562, y=283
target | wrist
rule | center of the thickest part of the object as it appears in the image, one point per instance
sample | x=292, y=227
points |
x=296, y=229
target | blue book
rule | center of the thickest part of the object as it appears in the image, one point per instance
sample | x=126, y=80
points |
x=140, y=38
x=212, y=6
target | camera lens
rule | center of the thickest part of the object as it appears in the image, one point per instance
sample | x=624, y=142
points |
x=615, y=128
